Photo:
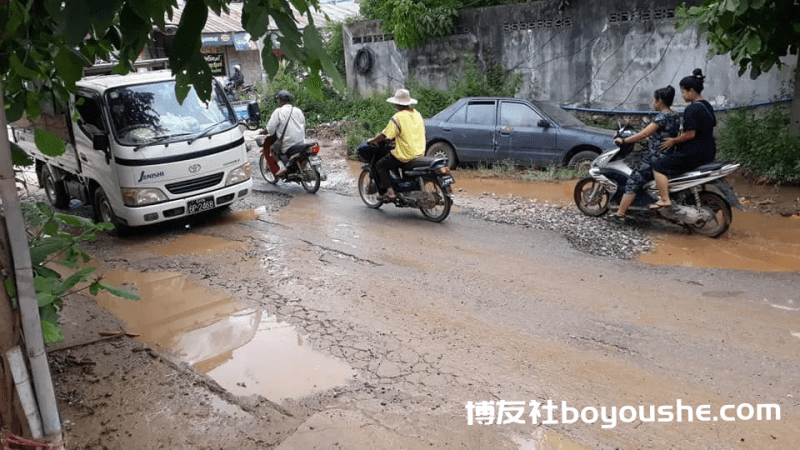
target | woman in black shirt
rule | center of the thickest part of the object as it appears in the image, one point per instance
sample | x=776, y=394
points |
x=697, y=145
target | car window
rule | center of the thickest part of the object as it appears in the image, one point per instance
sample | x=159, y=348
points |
x=518, y=115
x=561, y=117
x=481, y=113
x=459, y=116
x=91, y=117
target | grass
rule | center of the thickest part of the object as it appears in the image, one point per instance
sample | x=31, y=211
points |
x=510, y=170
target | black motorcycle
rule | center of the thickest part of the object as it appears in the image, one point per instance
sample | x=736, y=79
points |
x=304, y=166
x=422, y=183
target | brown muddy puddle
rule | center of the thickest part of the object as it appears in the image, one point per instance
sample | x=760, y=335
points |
x=756, y=241
x=244, y=349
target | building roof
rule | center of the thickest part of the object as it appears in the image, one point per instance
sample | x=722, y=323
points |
x=232, y=22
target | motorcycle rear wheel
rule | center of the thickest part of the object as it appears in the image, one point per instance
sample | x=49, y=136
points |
x=441, y=209
x=584, y=191
x=310, y=178
x=368, y=190
x=721, y=211
x=269, y=177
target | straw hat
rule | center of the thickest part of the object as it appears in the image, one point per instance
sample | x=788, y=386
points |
x=402, y=97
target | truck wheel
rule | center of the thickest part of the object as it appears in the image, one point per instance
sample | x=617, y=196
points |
x=56, y=192
x=102, y=208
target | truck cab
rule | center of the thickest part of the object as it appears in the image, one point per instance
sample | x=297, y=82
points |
x=140, y=157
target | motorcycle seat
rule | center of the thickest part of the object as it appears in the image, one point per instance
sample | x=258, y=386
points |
x=423, y=162
x=298, y=148
x=715, y=165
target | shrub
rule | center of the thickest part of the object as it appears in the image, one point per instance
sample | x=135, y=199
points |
x=761, y=143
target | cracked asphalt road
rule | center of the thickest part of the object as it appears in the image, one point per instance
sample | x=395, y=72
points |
x=433, y=316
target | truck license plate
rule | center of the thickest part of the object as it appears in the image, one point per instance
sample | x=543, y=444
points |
x=199, y=204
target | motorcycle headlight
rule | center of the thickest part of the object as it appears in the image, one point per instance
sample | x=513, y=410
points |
x=141, y=197
x=239, y=174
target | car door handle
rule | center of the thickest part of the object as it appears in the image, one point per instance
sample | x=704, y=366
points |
x=506, y=130
x=447, y=129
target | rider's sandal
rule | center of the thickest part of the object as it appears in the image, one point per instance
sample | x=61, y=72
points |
x=656, y=206
x=619, y=219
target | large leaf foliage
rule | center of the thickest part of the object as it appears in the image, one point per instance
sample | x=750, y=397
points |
x=756, y=33
x=55, y=241
x=46, y=44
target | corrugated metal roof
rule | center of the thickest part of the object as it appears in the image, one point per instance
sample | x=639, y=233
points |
x=232, y=22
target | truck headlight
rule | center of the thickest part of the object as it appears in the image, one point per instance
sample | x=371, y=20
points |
x=141, y=197
x=239, y=174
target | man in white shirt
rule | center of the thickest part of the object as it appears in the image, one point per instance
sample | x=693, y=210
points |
x=286, y=124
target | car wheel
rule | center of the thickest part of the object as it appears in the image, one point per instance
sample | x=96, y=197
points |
x=443, y=150
x=582, y=161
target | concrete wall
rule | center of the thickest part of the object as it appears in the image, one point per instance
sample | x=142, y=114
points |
x=610, y=55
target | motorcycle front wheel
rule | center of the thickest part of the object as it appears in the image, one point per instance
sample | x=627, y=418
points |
x=368, y=190
x=438, y=203
x=310, y=178
x=721, y=212
x=590, y=197
x=269, y=177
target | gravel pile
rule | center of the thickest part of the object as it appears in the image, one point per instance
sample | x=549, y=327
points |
x=592, y=235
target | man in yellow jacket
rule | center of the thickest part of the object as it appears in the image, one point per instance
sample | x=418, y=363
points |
x=408, y=131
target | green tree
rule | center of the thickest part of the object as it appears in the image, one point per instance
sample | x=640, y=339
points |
x=749, y=31
x=48, y=43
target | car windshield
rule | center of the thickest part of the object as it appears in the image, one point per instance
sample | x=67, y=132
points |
x=150, y=113
x=562, y=117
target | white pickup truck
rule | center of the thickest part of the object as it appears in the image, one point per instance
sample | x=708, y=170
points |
x=138, y=156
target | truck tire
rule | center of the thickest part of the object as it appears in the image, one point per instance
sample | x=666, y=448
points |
x=55, y=190
x=102, y=208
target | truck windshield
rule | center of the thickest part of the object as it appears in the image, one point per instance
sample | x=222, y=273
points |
x=147, y=113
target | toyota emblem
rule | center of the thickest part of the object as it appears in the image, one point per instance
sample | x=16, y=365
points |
x=194, y=168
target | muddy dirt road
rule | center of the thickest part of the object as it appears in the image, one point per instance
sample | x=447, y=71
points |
x=311, y=321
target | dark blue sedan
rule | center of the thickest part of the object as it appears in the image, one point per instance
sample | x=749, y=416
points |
x=491, y=129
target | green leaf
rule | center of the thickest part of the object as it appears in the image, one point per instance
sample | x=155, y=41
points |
x=41, y=251
x=753, y=44
x=48, y=143
x=45, y=298
x=33, y=110
x=14, y=111
x=187, y=39
x=51, y=332
x=50, y=228
x=19, y=157
x=21, y=69
x=119, y=292
x=68, y=67
x=11, y=289
x=72, y=280
x=75, y=221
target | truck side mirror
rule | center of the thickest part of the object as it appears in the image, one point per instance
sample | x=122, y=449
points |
x=100, y=142
x=543, y=123
x=253, y=116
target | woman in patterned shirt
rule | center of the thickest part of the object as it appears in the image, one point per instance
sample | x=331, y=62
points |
x=665, y=124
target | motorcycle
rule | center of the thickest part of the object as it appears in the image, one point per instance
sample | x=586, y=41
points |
x=701, y=198
x=234, y=95
x=423, y=183
x=304, y=166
